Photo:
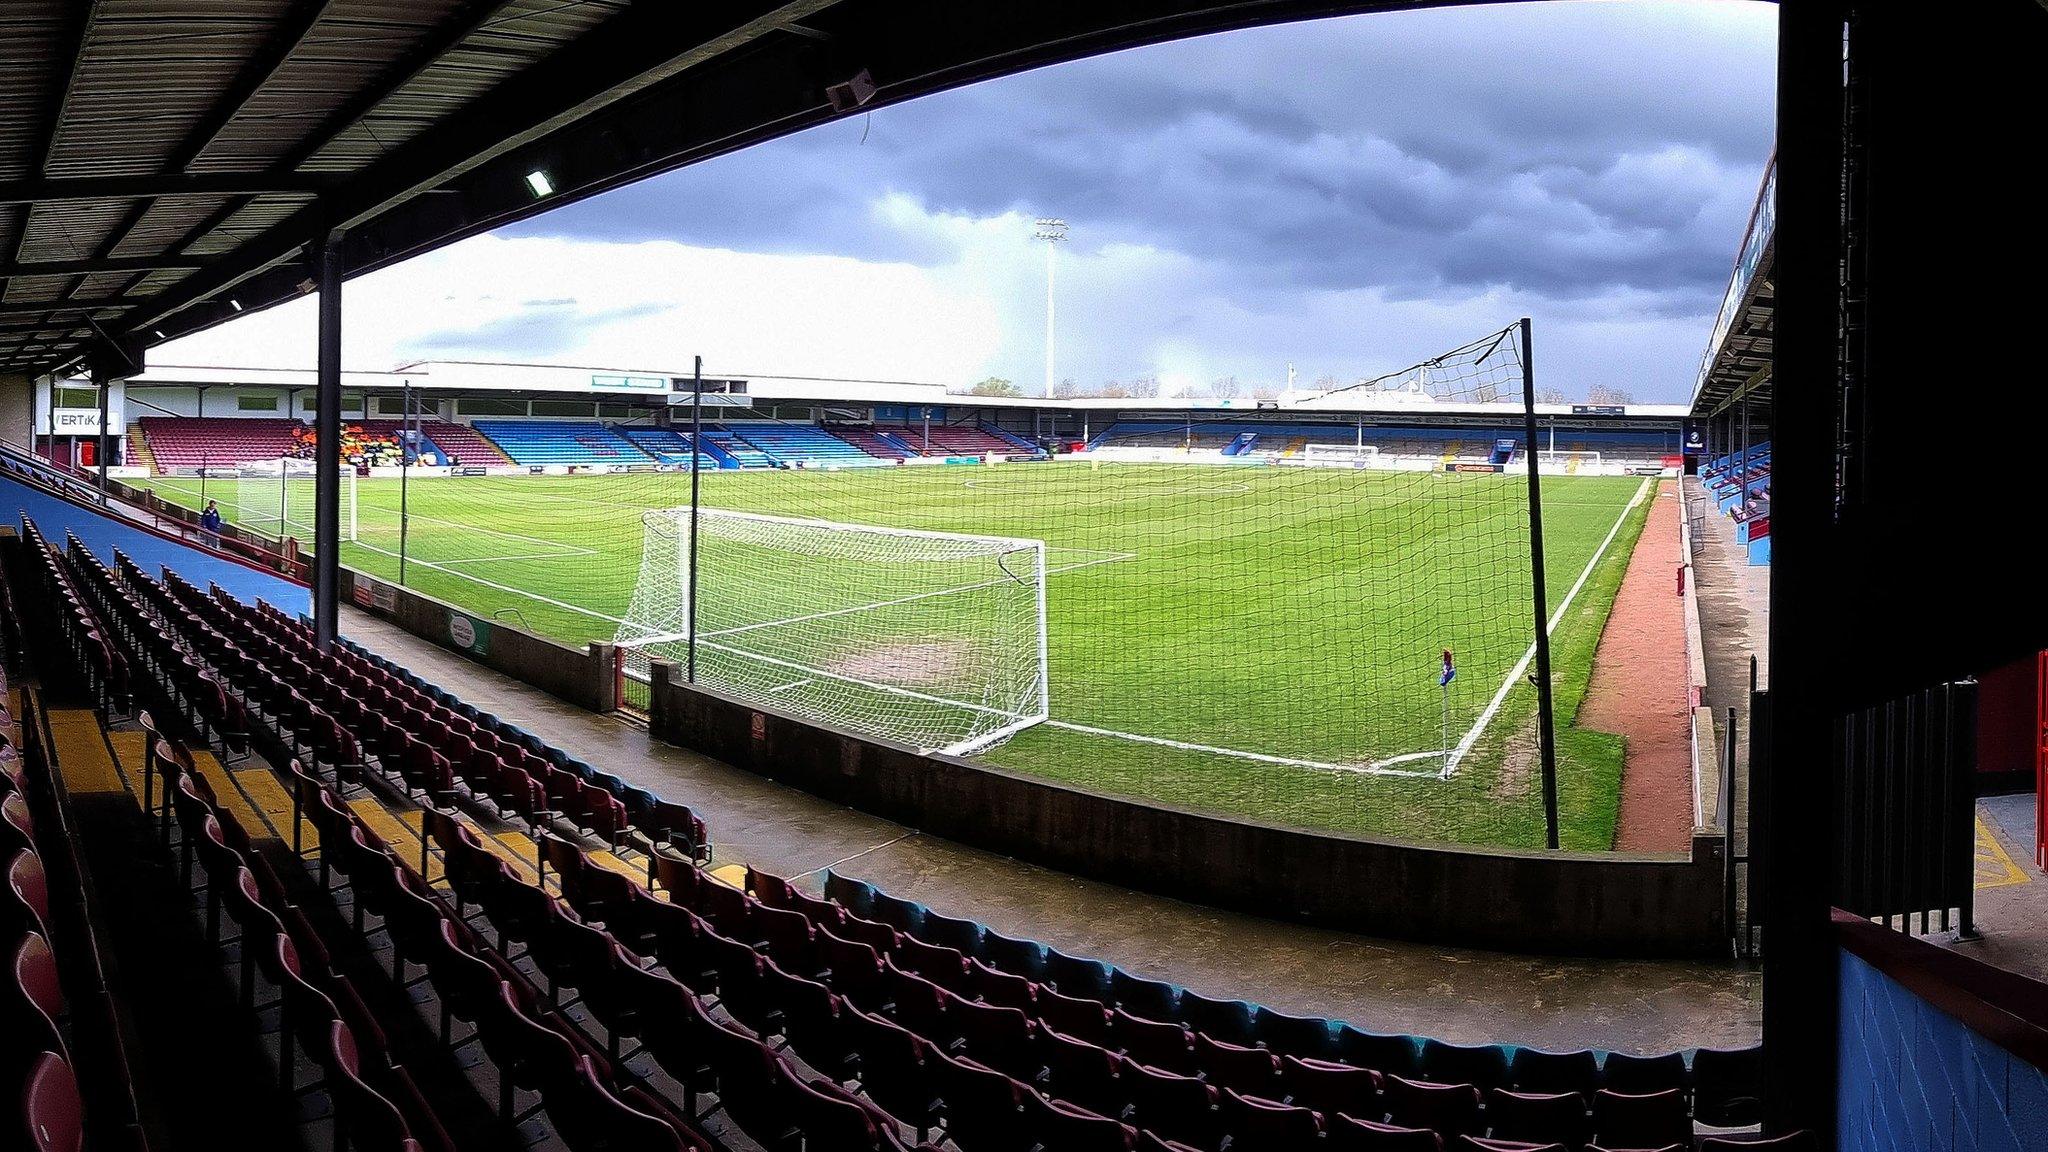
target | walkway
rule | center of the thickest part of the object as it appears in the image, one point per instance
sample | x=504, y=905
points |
x=1638, y=690
x=1735, y=624
x=1455, y=994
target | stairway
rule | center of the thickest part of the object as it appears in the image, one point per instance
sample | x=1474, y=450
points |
x=139, y=454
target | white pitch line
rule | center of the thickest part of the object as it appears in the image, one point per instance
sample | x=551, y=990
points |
x=1377, y=768
x=493, y=584
x=791, y=684
x=1521, y=667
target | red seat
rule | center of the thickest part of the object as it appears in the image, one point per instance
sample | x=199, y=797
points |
x=897, y=1068
x=1449, y=1109
x=1331, y=1088
x=52, y=1116
x=1083, y=1019
x=1176, y=1107
x=1085, y=1073
x=1156, y=1043
x=1539, y=1117
x=1070, y=1128
x=1649, y=1120
x=1259, y=1123
x=1350, y=1134
x=984, y=1108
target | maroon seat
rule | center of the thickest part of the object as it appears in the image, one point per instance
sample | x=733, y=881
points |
x=52, y=1116
x=984, y=1108
x=1176, y=1107
x=1083, y=1019
x=946, y=967
x=1252, y=1071
x=368, y=1119
x=1449, y=1109
x=1538, y=1117
x=1083, y=1072
x=920, y=1005
x=1647, y=1120
x=590, y=1118
x=1155, y=1043
x=897, y=1068
x=1330, y=1087
x=1351, y=1134
x=1064, y=1127
x=1260, y=1123
x=1002, y=1038
x=991, y=986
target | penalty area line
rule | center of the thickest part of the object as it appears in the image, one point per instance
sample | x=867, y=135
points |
x=1376, y=768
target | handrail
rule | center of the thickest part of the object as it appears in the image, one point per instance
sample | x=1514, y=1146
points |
x=2003, y=1007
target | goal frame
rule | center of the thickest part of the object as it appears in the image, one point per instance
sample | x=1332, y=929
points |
x=690, y=634
x=282, y=473
x=1341, y=455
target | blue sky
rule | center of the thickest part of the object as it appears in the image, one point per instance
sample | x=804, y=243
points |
x=1345, y=196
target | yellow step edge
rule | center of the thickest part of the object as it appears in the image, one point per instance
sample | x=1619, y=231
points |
x=82, y=755
x=396, y=832
x=733, y=874
x=130, y=750
x=224, y=790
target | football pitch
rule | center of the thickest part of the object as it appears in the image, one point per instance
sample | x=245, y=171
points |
x=1258, y=641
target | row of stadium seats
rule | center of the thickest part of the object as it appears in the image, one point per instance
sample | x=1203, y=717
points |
x=667, y=446
x=38, y=1088
x=1739, y=484
x=891, y=1017
x=580, y=442
x=954, y=440
x=169, y=621
x=216, y=441
x=804, y=444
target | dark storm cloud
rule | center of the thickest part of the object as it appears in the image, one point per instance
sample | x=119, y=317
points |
x=1569, y=150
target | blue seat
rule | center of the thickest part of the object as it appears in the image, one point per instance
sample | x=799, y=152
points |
x=1484, y=1066
x=1308, y=1036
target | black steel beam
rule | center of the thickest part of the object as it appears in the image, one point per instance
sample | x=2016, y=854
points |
x=618, y=59
x=148, y=187
x=1798, y=784
x=46, y=130
x=91, y=265
x=44, y=308
x=327, y=450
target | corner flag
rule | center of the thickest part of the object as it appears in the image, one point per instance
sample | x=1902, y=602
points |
x=1450, y=669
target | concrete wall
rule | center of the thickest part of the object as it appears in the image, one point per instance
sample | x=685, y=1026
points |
x=1559, y=902
x=586, y=678
x=1936, y=1060
x=17, y=393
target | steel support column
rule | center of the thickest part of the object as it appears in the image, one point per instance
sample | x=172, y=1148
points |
x=327, y=449
x=1800, y=962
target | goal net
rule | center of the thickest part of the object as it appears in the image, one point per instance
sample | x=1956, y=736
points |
x=278, y=499
x=1341, y=455
x=931, y=639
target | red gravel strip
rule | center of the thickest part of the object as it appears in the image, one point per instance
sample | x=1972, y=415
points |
x=1639, y=690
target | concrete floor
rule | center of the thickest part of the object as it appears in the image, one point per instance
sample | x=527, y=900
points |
x=2012, y=891
x=1393, y=986
x=1735, y=625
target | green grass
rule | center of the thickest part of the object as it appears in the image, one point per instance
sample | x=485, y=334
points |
x=1292, y=613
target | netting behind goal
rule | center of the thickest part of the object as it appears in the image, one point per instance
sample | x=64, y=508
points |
x=278, y=498
x=931, y=639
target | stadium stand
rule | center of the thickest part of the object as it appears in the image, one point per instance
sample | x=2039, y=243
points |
x=875, y=442
x=953, y=439
x=657, y=1002
x=723, y=442
x=1254, y=439
x=803, y=445
x=667, y=446
x=216, y=441
x=452, y=441
x=560, y=442
x=1727, y=480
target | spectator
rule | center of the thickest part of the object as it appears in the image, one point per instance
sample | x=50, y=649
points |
x=209, y=523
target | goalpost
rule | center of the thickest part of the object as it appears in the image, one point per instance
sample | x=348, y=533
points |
x=277, y=498
x=932, y=639
x=1342, y=455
